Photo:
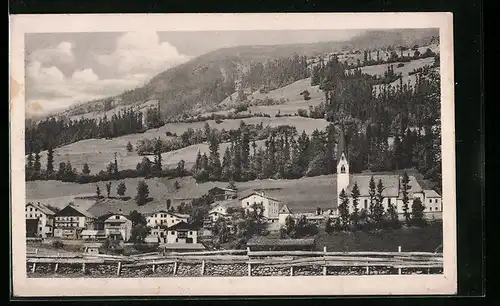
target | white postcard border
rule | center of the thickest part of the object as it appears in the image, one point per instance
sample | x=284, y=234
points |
x=289, y=286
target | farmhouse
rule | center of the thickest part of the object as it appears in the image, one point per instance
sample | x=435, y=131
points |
x=118, y=227
x=71, y=221
x=165, y=218
x=271, y=205
x=392, y=192
x=182, y=233
x=221, y=209
x=221, y=194
x=39, y=220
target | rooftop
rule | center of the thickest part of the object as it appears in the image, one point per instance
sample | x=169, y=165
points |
x=42, y=207
x=431, y=194
x=182, y=226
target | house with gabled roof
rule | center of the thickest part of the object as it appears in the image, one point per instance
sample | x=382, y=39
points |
x=221, y=194
x=182, y=233
x=283, y=214
x=271, y=205
x=70, y=221
x=165, y=218
x=39, y=220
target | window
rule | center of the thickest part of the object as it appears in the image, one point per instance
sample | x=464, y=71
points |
x=31, y=216
x=190, y=233
x=366, y=203
x=430, y=208
x=436, y=209
x=430, y=200
x=36, y=209
x=40, y=229
x=248, y=204
x=388, y=201
x=117, y=217
x=173, y=233
x=436, y=200
x=342, y=169
x=31, y=208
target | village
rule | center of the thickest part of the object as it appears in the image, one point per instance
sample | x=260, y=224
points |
x=100, y=226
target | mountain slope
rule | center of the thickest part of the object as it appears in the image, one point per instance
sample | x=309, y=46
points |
x=212, y=77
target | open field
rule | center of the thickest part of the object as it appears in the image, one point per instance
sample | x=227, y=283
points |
x=302, y=195
x=408, y=67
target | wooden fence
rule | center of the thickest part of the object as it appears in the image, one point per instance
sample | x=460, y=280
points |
x=277, y=259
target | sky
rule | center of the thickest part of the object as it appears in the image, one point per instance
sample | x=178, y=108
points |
x=63, y=69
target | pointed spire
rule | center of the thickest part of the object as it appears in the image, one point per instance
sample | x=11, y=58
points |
x=342, y=146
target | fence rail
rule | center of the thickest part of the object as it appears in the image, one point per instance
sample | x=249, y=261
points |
x=277, y=259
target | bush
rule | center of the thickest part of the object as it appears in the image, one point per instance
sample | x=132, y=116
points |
x=57, y=244
x=400, y=65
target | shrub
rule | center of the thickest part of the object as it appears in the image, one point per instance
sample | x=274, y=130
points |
x=58, y=244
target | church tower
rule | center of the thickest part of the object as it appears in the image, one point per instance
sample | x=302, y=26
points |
x=342, y=165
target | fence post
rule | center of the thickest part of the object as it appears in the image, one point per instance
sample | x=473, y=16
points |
x=324, y=257
x=33, y=268
x=202, y=267
x=153, y=268
x=36, y=251
x=249, y=269
x=119, y=270
x=399, y=251
x=83, y=267
x=368, y=270
x=56, y=267
x=175, y=267
x=291, y=271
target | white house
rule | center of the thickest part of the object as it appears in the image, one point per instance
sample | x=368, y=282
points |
x=432, y=201
x=221, y=209
x=165, y=218
x=271, y=205
x=392, y=184
x=39, y=220
x=182, y=233
x=118, y=227
x=283, y=214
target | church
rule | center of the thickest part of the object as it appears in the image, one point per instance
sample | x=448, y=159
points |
x=392, y=183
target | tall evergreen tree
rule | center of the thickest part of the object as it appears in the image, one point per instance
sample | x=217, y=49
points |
x=50, y=161
x=214, y=159
x=142, y=193
x=417, y=212
x=86, y=169
x=121, y=188
x=405, y=187
x=378, y=209
x=372, y=194
x=37, y=166
x=355, y=202
x=108, y=188
x=344, y=208
x=29, y=167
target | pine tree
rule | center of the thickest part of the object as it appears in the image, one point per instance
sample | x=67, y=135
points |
x=98, y=191
x=344, y=208
x=417, y=212
x=226, y=165
x=372, y=194
x=180, y=168
x=108, y=188
x=115, y=168
x=29, y=167
x=121, y=189
x=378, y=209
x=86, y=169
x=50, y=161
x=405, y=187
x=214, y=159
x=129, y=147
x=177, y=185
x=232, y=185
x=37, y=166
x=355, y=202
x=142, y=193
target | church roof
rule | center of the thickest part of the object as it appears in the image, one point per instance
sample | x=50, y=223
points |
x=391, y=185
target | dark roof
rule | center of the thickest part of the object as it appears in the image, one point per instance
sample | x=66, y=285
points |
x=391, y=184
x=262, y=241
x=71, y=210
x=221, y=188
x=182, y=226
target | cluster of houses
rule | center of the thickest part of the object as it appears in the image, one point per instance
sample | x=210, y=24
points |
x=173, y=230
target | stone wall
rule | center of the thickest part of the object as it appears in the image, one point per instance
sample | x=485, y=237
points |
x=210, y=270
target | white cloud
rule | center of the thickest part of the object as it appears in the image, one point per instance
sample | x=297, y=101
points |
x=141, y=52
x=61, y=53
x=48, y=88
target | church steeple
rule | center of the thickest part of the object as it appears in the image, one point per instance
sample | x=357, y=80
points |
x=342, y=165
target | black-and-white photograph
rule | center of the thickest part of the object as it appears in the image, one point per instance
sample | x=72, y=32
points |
x=244, y=153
